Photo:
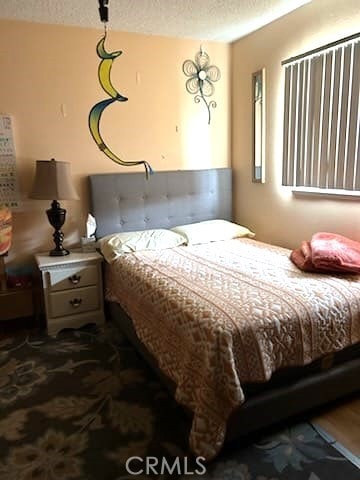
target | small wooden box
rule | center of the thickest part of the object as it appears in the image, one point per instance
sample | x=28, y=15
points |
x=16, y=303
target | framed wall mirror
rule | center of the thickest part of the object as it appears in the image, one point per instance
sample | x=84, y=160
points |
x=258, y=99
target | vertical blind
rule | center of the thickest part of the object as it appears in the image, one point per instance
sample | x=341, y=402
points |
x=321, y=145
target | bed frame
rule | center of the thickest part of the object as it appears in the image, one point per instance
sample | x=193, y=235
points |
x=126, y=202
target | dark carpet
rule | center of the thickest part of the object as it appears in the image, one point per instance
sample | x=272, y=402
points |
x=82, y=405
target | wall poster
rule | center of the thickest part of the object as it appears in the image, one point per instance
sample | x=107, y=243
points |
x=9, y=192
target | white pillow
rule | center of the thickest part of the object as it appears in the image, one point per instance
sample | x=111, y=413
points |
x=112, y=246
x=212, y=231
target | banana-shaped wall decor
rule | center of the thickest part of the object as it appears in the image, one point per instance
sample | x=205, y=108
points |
x=104, y=71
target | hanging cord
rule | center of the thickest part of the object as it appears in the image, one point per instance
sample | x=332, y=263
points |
x=103, y=10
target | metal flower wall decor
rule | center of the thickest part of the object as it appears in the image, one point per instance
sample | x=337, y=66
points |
x=201, y=77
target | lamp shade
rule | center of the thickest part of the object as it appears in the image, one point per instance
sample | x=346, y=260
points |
x=53, y=181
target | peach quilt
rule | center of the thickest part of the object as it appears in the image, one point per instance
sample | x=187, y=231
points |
x=218, y=315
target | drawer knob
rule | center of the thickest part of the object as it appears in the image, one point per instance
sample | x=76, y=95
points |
x=76, y=302
x=74, y=279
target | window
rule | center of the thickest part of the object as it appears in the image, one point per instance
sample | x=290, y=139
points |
x=321, y=146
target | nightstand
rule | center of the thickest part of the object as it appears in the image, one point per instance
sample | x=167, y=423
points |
x=73, y=290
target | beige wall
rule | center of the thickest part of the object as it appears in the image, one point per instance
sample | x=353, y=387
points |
x=269, y=209
x=46, y=67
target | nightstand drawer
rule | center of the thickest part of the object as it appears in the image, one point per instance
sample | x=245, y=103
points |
x=71, y=302
x=72, y=278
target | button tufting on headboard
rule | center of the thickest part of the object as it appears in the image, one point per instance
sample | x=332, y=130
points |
x=167, y=199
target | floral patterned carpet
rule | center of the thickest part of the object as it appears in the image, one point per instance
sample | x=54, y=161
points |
x=78, y=406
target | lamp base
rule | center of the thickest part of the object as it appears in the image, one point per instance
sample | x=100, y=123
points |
x=59, y=253
x=56, y=216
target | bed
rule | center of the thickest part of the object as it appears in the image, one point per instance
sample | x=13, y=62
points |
x=232, y=380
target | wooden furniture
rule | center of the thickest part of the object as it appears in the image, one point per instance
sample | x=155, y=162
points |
x=2, y=274
x=73, y=292
x=15, y=303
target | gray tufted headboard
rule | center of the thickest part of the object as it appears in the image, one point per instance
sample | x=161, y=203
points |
x=123, y=202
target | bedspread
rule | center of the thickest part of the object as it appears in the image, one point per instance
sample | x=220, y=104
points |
x=221, y=314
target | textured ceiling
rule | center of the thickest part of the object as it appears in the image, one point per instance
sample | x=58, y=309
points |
x=219, y=20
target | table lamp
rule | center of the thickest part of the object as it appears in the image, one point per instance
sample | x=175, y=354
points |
x=53, y=182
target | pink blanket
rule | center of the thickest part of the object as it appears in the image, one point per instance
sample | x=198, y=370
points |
x=328, y=252
x=302, y=257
